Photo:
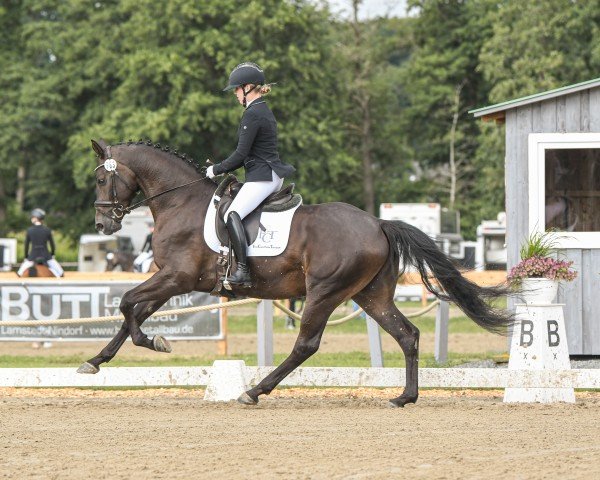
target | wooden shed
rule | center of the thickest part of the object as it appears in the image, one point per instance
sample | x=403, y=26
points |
x=553, y=181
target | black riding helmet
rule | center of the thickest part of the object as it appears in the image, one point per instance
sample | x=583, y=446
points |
x=244, y=74
x=38, y=213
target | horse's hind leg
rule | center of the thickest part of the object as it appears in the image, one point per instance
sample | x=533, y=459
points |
x=314, y=320
x=141, y=312
x=377, y=300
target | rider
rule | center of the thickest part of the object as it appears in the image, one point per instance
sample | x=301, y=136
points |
x=257, y=151
x=144, y=259
x=39, y=236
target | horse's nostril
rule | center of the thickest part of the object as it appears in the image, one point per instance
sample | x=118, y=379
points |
x=99, y=227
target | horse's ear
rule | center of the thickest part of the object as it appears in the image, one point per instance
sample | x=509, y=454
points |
x=99, y=148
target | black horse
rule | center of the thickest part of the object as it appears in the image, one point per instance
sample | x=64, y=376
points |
x=335, y=252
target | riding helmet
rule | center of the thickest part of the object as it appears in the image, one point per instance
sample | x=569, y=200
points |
x=244, y=74
x=38, y=213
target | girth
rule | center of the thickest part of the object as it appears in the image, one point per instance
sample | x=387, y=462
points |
x=227, y=190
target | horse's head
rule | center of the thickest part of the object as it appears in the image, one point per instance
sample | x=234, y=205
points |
x=116, y=185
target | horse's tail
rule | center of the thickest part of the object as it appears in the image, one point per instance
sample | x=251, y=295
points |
x=413, y=247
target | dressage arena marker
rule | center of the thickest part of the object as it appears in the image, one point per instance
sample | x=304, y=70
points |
x=539, y=342
x=226, y=381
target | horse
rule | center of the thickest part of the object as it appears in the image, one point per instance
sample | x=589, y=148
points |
x=38, y=269
x=335, y=252
x=122, y=260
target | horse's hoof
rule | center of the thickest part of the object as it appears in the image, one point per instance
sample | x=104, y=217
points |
x=87, y=368
x=161, y=344
x=246, y=399
x=401, y=401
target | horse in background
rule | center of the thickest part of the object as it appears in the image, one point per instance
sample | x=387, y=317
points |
x=38, y=269
x=119, y=260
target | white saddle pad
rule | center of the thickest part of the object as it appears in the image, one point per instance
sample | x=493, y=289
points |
x=269, y=242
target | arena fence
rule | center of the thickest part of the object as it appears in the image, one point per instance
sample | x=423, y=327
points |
x=265, y=325
x=304, y=377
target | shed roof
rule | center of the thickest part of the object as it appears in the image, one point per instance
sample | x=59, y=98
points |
x=496, y=112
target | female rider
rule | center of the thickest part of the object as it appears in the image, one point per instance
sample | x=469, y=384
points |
x=257, y=151
x=39, y=237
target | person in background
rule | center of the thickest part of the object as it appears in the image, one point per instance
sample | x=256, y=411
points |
x=39, y=238
x=144, y=259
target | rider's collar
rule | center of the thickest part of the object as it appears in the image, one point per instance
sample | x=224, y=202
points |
x=256, y=101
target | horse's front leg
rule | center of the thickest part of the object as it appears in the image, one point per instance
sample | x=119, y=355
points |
x=141, y=312
x=163, y=285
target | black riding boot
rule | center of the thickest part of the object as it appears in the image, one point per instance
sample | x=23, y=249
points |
x=239, y=244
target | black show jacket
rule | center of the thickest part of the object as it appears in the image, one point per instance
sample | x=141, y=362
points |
x=39, y=236
x=257, y=146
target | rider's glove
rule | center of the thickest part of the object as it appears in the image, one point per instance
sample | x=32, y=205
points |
x=209, y=172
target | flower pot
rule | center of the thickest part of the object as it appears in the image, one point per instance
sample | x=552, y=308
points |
x=539, y=291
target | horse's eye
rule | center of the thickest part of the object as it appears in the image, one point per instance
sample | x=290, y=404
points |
x=101, y=181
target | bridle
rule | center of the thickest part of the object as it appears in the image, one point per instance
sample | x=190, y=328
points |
x=116, y=208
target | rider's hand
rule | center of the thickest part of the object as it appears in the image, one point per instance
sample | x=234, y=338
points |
x=209, y=172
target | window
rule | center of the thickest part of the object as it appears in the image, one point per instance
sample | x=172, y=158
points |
x=564, y=187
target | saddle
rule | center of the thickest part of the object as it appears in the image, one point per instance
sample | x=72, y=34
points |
x=280, y=201
x=284, y=199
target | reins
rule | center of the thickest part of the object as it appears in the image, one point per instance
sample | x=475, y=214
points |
x=118, y=210
x=139, y=204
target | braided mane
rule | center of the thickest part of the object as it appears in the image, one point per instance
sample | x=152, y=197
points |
x=182, y=156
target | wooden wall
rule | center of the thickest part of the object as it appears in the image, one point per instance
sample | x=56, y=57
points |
x=577, y=112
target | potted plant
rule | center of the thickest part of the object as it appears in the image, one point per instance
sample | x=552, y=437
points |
x=539, y=271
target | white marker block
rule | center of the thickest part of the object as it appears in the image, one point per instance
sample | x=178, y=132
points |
x=539, y=342
x=227, y=381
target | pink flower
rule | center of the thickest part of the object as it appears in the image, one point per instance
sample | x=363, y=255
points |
x=542, y=267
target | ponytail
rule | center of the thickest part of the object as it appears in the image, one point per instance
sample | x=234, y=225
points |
x=264, y=89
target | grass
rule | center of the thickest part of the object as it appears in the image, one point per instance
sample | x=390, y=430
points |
x=246, y=324
x=346, y=359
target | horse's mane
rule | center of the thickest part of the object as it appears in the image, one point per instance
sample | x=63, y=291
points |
x=171, y=152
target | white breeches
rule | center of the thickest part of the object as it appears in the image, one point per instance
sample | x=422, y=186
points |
x=252, y=194
x=143, y=261
x=53, y=266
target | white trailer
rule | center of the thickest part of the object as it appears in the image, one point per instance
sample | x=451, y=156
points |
x=8, y=253
x=92, y=251
x=136, y=225
x=491, y=253
x=425, y=216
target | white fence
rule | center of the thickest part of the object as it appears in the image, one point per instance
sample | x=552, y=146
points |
x=304, y=377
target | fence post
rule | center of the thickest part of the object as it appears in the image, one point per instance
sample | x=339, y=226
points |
x=374, y=343
x=441, y=332
x=264, y=330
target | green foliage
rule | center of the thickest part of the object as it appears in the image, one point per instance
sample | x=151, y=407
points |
x=538, y=244
x=540, y=45
x=75, y=70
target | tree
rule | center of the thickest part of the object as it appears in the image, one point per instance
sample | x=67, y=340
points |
x=368, y=84
x=442, y=84
x=553, y=43
x=147, y=69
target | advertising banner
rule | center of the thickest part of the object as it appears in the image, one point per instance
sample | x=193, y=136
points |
x=35, y=302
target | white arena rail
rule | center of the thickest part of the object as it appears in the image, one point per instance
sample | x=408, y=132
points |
x=303, y=377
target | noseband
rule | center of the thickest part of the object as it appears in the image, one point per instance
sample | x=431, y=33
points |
x=117, y=209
